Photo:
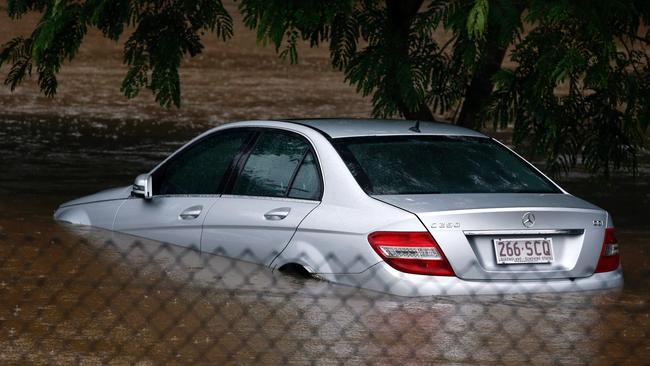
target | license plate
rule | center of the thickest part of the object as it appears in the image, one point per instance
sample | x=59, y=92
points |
x=524, y=251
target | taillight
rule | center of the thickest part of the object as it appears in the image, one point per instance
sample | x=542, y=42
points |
x=610, y=259
x=411, y=252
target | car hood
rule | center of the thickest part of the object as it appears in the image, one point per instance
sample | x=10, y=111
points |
x=105, y=195
x=421, y=203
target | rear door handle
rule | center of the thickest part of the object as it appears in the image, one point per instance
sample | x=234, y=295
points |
x=277, y=214
x=191, y=213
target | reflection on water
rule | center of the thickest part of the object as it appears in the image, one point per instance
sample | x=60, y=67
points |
x=66, y=301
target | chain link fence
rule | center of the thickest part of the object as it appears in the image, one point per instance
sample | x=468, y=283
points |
x=144, y=303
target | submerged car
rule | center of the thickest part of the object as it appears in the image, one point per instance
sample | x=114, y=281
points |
x=409, y=208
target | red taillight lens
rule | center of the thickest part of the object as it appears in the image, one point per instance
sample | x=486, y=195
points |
x=411, y=252
x=610, y=258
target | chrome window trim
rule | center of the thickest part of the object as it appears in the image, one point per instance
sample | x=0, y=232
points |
x=183, y=196
x=269, y=198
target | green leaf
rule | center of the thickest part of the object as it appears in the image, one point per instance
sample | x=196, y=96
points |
x=477, y=19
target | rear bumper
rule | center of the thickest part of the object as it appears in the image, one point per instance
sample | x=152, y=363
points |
x=383, y=278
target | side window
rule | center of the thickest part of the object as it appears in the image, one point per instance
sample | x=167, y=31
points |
x=306, y=184
x=200, y=168
x=271, y=165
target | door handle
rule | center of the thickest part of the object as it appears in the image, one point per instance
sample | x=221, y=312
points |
x=277, y=214
x=191, y=213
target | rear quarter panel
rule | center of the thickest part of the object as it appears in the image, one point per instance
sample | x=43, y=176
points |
x=334, y=239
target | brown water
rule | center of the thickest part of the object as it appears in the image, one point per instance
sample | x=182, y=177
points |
x=66, y=301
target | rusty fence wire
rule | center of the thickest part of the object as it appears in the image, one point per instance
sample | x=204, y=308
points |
x=144, y=303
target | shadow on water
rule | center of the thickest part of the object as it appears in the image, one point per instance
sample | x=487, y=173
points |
x=67, y=300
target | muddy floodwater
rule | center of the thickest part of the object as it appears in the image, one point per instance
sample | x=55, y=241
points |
x=69, y=296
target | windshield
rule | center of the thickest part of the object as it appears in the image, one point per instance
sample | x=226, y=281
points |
x=438, y=164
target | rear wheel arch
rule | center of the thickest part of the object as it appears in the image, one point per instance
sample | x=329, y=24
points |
x=296, y=268
x=292, y=263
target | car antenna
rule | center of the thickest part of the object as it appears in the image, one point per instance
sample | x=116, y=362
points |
x=416, y=128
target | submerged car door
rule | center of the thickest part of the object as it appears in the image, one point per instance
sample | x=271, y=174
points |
x=278, y=183
x=184, y=189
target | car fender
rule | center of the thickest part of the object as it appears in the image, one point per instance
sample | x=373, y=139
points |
x=76, y=215
x=98, y=214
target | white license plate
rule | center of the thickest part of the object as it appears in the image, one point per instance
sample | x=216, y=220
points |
x=523, y=251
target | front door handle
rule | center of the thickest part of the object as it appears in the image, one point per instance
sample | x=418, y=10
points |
x=277, y=214
x=191, y=213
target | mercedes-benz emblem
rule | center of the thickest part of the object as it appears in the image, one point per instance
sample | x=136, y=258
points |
x=528, y=219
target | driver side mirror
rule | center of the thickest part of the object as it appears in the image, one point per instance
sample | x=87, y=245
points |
x=142, y=187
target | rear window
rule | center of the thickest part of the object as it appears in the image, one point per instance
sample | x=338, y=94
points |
x=438, y=164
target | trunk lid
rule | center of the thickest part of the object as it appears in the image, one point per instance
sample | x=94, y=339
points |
x=466, y=225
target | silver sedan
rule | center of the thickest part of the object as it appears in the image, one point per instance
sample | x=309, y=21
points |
x=401, y=207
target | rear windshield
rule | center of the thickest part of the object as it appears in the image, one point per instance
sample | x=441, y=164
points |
x=438, y=164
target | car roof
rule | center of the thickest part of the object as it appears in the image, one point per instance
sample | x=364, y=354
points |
x=356, y=127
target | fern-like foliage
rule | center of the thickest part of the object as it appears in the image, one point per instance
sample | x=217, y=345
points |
x=165, y=32
x=579, y=90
